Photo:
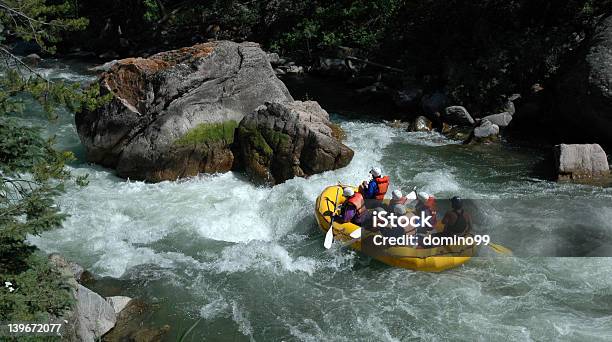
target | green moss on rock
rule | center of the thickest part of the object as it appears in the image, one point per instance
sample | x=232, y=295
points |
x=209, y=132
x=256, y=139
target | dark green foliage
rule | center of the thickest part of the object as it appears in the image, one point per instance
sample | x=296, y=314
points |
x=40, y=293
x=32, y=171
x=477, y=51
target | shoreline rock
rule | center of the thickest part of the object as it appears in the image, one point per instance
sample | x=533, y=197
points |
x=580, y=161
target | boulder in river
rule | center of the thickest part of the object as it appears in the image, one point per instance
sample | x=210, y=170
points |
x=173, y=114
x=279, y=141
x=421, y=124
x=457, y=115
x=485, y=132
x=584, y=95
x=578, y=161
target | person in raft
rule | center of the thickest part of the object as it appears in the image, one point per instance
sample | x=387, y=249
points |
x=398, y=201
x=456, y=221
x=353, y=209
x=426, y=203
x=376, y=188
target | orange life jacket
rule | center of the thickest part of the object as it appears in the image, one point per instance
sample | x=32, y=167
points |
x=383, y=185
x=359, y=203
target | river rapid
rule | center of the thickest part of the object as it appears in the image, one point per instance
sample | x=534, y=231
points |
x=248, y=263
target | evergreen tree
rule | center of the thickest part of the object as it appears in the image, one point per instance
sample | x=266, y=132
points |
x=32, y=171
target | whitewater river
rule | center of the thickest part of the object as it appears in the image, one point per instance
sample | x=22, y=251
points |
x=248, y=262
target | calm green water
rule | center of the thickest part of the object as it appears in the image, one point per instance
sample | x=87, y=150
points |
x=249, y=261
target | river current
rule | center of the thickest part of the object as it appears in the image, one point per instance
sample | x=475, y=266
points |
x=248, y=263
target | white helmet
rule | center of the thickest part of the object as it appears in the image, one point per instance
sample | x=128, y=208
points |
x=348, y=192
x=423, y=196
x=396, y=194
x=376, y=171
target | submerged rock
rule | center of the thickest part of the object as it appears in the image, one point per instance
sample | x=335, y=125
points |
x=174, y=114
x=421, y=124
x=580, y=161
x=457, y=115
x=279, y=141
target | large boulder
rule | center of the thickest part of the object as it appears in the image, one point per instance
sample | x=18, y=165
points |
x=174, y=114
x=457, y=115
x=579, y=161
x=279, y=141
x=584, y=95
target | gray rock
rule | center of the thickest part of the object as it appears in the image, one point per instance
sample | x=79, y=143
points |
x=580, y=161
x=92, y=316
x=295, y=69
x=104, y=67
x=173, y=114
x=457, y=115
x=486, y=129
x=118, y=302
x=32, y=59
x=279, y=141
x=334, y=65
x=584, y=95
x=95, y=315
x=274, y=58
x=421, y=124
x=501, y=119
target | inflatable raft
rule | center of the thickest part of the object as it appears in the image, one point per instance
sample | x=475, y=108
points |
x=434, y=259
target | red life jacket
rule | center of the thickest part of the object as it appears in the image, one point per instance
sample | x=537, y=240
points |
x=383, y=185
x=359, y=203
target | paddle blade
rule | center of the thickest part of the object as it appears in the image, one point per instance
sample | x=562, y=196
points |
x=356, y=234
x=329, y=238
x=500, y=249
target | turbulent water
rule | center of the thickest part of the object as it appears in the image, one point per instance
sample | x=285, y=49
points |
x=249, y=264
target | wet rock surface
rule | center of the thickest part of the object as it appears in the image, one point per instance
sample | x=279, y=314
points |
x=174, y=114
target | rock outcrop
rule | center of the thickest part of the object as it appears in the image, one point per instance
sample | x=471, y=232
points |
x=92, y=316
x=579, y=161
x=174, y=114
x=584, y=95
x=279, y=141
x=457, y=115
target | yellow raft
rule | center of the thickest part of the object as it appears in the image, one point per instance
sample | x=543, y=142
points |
x=429, y=260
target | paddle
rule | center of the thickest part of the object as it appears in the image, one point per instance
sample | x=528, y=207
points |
x=329, y=236
x=500, y=249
